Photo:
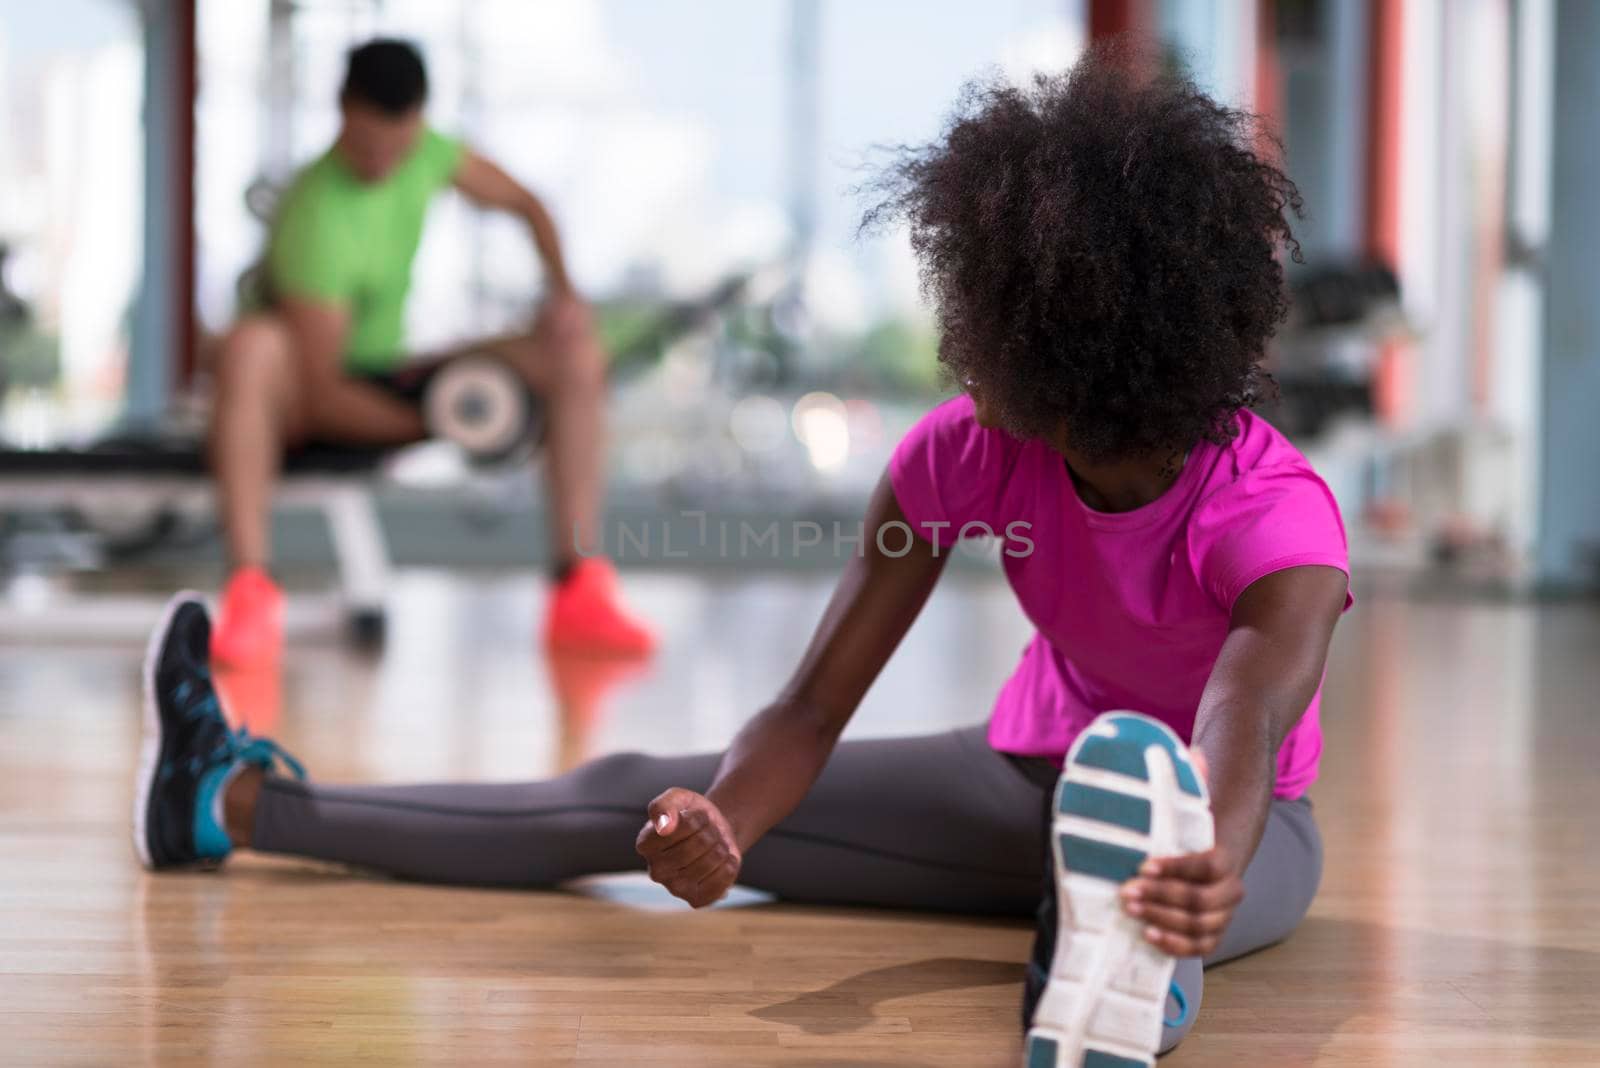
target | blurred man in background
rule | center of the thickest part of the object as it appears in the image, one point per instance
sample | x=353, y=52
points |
x=319, y=356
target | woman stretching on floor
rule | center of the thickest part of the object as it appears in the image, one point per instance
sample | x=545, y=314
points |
x=1102, y=249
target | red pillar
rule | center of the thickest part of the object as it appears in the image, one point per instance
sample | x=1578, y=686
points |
x=1384, y=101
x=1268, y=102
x=184, y=88
x=1108, y=18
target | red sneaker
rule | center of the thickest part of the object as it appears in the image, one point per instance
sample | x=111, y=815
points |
x=586, y=615
x=249, y=629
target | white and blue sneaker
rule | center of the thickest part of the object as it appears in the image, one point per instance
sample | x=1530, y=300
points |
x=1096, y=990
x=189, y=754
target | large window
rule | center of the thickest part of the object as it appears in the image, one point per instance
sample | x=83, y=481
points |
x=70, y=189
x=682, y=147
x=668, y=137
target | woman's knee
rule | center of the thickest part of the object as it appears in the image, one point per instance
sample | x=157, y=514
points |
x=617, y=778
x=635, y=779
x=1183, y=1002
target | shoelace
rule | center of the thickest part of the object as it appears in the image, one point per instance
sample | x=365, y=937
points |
x=262, y=752
x=1176, y=993
x=234, y=745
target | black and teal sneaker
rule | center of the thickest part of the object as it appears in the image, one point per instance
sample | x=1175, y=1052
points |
x=188, y=752
x=1095, y=990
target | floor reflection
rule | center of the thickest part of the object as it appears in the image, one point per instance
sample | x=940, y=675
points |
x=584, y=688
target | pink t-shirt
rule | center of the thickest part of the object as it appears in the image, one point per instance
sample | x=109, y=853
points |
x=1131, y=607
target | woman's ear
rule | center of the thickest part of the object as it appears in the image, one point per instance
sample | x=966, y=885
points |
x=981, y=410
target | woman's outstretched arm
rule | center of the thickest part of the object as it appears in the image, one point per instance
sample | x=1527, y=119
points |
x=1270, y=666
x=695, y=844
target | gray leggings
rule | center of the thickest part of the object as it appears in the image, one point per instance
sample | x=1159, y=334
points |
x=938, y=822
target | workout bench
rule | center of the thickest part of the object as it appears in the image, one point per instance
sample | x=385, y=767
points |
x=172, y=473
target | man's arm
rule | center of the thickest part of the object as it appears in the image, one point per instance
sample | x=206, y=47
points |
x=486, y=185
x=694, y=845
x=355, y=411
x=1270, y=666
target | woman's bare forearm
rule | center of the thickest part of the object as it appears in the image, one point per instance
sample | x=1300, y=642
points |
x=1266, y=674
x=769, y=767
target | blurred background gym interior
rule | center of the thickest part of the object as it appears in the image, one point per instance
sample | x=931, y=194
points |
x=1440, y=367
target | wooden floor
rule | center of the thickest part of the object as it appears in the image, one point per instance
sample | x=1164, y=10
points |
x=1456, y=925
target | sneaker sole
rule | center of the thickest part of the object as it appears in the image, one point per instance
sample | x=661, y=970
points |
x=150, y=747
x=1128, y=791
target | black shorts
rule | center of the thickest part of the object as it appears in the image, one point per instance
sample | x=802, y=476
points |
x=408, y=382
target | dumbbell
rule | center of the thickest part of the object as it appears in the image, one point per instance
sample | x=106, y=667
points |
x=483, y=406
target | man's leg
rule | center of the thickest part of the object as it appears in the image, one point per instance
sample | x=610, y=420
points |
x=256, y=413
x=1279, y=884
x=934, y=822
x=565, y=365
x=260, y=409
x=562, y=360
